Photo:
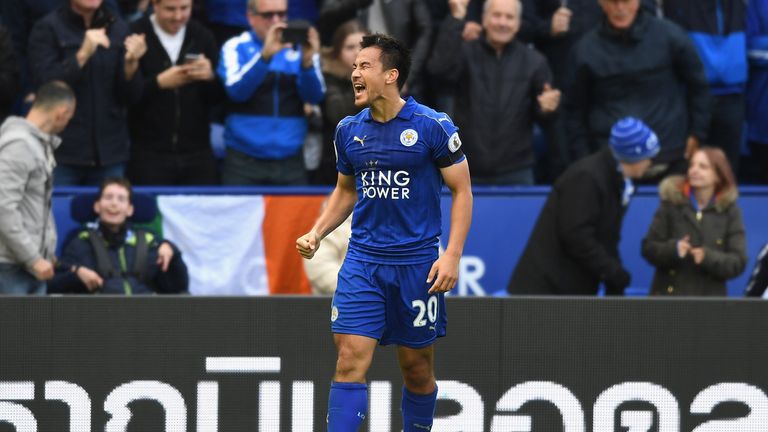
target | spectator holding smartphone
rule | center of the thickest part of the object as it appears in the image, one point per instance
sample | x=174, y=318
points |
x=696, y=240
x=268, y=81
x=170, y=126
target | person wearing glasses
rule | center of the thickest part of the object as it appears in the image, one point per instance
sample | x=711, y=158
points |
x=268, y=79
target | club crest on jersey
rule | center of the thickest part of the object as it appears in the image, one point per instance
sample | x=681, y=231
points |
x=454, y=142
x=409, y=137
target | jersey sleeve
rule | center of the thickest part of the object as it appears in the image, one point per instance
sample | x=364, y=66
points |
x=339, y=139
x=445, y=142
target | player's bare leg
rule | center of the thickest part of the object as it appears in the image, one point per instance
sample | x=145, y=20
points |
x=348, y=399
x=355, y=354
x=419, y=389
x=416, y=365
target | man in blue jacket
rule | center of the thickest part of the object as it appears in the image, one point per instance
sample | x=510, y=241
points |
x=268, y=82
x=717, y=29
x=757, y=86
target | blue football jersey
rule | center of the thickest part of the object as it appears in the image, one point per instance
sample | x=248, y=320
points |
x=396, y=165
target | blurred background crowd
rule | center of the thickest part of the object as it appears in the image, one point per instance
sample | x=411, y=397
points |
x=534, y=85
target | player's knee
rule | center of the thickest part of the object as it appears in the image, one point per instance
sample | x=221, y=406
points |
x=350, y=363
x=418, y=375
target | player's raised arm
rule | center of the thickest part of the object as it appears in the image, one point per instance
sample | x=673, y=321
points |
x=446, y=267
x=340, y=205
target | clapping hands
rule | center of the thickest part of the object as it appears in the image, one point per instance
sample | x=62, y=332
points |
x=684, y=248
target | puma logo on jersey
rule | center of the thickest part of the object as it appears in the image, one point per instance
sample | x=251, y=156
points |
x=360, y=140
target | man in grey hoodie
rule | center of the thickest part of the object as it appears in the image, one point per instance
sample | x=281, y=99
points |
x=27, y=231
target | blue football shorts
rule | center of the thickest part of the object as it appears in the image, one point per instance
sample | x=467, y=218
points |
x=389, y=303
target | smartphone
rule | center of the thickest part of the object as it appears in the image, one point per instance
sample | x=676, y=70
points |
x=191, y=58
x=296, y=33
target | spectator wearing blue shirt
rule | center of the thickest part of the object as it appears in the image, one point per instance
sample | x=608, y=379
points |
x=757, y=86
x=717, y=29
x=267, y=82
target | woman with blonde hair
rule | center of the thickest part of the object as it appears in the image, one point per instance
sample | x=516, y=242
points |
x=696, y=240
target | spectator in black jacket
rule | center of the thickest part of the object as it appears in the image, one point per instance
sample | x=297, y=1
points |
x=574, y=245
x=19, y=16
x=85, y=45
x=438, y=94
x=111, y=256
x=170, y=126
x=406, y=20
x=554, y=27
x=635, y=64
x=501, y=86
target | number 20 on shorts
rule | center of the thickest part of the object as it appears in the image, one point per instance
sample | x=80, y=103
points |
x=429, y=309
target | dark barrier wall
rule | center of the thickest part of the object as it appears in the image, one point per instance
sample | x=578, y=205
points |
x=264, y=364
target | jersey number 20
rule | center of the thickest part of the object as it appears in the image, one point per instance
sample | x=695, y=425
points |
x=430, y=309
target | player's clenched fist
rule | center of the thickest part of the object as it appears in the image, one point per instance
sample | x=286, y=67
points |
x=308, y=244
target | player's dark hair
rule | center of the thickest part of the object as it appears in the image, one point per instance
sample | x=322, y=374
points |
x=120, y=181
x=394, y=55
x=53, y=94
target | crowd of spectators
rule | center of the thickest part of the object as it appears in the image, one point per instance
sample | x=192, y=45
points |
x=534, y=85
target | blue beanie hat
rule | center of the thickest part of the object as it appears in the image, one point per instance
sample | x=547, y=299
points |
x=632, y=141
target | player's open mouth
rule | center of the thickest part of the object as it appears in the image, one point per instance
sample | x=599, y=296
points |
x=359, y=88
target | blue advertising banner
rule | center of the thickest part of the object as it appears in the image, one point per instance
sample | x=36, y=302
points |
x=502, y=221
